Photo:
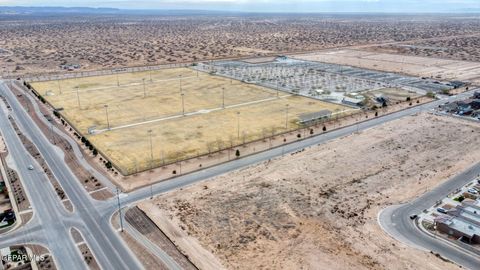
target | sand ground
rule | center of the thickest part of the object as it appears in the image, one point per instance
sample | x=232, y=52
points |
x=317, y=209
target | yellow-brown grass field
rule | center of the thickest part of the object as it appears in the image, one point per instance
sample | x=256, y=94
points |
x=250, y=113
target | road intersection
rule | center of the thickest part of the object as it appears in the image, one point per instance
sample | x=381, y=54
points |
x=51, y=223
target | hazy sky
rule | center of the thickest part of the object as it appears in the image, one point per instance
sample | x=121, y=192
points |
x=270, y=5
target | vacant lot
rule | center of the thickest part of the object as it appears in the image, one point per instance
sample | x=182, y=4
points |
x=413, y=65
x=219, y=113
x=318, y=209
x=99, y=41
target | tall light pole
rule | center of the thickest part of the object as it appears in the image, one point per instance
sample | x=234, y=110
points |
x=223, y=97
x=151, y=76
x=106, y=114
x=52, y=134
x=181, y=90
x=118, y=81
x=119, y=210
x=59, y=88
x=286, y=116
x=278, y=93
x=78, y=97
x=144, y=91
x=151, y=148
x=183, y=103
x=238, y=125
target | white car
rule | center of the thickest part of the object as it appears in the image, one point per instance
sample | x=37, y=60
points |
x=472, y=191
x=30, y=167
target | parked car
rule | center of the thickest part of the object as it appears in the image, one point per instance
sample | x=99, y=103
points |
x=472, y=191
x=30, y=167
x=442, y=210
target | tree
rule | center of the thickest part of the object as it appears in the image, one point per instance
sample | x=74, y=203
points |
x=95, y=152
x=376, y=114
x=408, y=99
x=237, y=153
x=108, y=165
x=324, y=128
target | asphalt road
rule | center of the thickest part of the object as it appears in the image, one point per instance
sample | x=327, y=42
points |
x=51, y=223
x=109, y=250
x=395, y=220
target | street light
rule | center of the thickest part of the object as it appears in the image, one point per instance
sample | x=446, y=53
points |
x=59, y=88
x=78, y=97
x=278, y=94
x=151, y=148
x=119, y=209
x=183, y=103
x=238, y=125
x=144, y=92
x=181, y=90
x=286, y=116
x=106, y=114
x=223, y=97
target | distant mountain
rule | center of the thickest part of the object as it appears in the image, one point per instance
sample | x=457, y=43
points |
x=52, y=10
x=17, y=10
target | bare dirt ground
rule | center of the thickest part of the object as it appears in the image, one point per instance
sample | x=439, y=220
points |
x=317, y=209
x=465, y=48
x=444, y=69
x=145, y=226
x=98, y=42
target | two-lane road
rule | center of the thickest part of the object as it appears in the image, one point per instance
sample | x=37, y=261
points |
x=395, y=220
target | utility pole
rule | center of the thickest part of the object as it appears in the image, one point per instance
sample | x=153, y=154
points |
x=144, y=92
x=151, y=148
x=59, y=88
x=223, y=97
x=51, y=133
x=106, y=113
x=286, y=116
x=118, y=81
x=238, y=125
x=183, y=103
x=278, y=93
x=181, y=90
x=119, y=210
x=78, y=98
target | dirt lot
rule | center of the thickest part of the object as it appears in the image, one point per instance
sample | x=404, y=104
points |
x=317, y=209
x=463, y=48
x=205, y=128
x=99, y=41
x=413, y=65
